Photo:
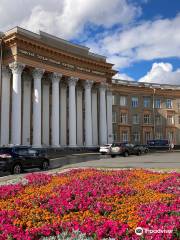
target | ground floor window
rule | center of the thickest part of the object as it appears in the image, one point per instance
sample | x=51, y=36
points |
x=147, y=136
x=125, y=136
x=136, y=137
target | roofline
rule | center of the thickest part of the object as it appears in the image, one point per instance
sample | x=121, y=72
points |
x=145, y=84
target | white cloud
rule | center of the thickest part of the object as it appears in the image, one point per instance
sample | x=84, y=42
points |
x=162, y=73
x=123, y=76
x=65, y=18
x=150, y=40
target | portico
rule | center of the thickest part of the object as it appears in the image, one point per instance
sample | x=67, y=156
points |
x=53, y=97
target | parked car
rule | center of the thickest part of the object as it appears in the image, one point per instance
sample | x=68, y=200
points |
x=160, y=144
x=17, y=158
x=143, y=147
x=125, y=149
x=105, y=149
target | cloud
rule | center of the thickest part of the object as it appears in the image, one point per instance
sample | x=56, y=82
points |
x=162, y=73
x=148, y=40
x=65, y=18
x=123, y=76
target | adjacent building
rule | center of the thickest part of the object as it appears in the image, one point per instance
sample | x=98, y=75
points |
x=143, y=111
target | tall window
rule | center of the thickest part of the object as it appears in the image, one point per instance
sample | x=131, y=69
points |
x=123, y=100
x=114, y=117
x=157, y=103
x=171, y=136
x=147, y=102
x=135, y=119
x=158, y=135
x=125, y=136
x=170, y=119
x=158, y=120
x=124, y=118
x=134, y=102
x=147, y=119
x=113, y=100
x=147, y=136
x=168, y=103
x=136, y=137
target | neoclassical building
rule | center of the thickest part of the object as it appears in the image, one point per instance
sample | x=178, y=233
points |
x=53, y=92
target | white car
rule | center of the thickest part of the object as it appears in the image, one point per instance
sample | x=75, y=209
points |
x=105, y=149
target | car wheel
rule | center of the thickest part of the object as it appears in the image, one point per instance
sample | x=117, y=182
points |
x=113, y=156
x=45, y=165
x=126, y=154
x=17, y=169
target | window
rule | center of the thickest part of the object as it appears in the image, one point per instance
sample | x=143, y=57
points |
x=179, y=119
x=168, y=103
x=113, y=100
x=114, y=137
x=157, y=103
x=134, y=102
x=147, y=102
x=158, y=120
x=158, y=135
x=170, y=119
x=114, y=117
x=147, y=119
x=125, y=136
x=147, y=136
x=178, y=105
x=123, y=100
x=123, y=118
x=136, y=137
x=171, y=136
x=135, y=119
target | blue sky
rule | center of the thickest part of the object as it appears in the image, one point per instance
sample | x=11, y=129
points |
x=140, y=37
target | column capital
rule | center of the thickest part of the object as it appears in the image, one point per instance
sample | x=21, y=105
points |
x=16, y=67
x=55, y=77
x=37, y=73
x=72, y=81
x=88, y=84
x=102, y=86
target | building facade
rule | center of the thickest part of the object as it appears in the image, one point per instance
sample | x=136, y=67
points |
x=144, y=111
x=53, y=92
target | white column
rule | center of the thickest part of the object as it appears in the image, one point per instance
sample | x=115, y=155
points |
x=45, y=113
x=17, y=69
x=94, y=117
x=109, y=117
x=72, y=111
x=5, y=105
x=37, y=75
x=26, y=125
x=88, y=113
x=102, y=114
x=55, y=77
x=79, y=96
x=63, y=114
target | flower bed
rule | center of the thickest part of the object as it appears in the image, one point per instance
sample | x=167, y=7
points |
x=92, y=204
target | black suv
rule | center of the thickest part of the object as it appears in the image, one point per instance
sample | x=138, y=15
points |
x=126, y=149
x=17, y=158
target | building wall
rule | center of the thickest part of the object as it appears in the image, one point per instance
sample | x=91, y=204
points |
x=154, y=122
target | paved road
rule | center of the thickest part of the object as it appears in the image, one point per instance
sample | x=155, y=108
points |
x=150, y=160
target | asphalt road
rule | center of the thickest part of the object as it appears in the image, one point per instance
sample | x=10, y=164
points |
x=170, y=160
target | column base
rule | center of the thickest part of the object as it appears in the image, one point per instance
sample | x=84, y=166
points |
x=56, y=146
